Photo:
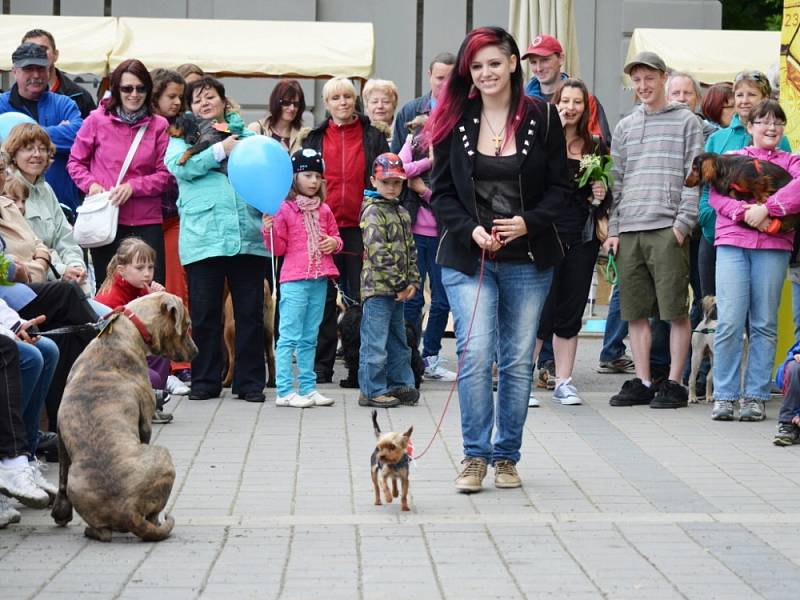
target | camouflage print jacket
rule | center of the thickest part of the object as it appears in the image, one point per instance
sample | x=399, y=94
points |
x=390, y=256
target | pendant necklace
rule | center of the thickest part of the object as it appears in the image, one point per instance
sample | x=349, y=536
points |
x=497, y=138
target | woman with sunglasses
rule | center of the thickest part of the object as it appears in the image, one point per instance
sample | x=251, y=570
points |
x=285, y=117
x=99, y=152
x=749, y=88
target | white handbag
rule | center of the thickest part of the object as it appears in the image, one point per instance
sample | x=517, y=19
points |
x=96, y=224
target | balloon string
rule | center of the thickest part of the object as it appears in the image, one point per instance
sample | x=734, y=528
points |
x=272, y=261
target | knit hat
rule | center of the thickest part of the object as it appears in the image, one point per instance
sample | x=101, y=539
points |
x=307, y=159
x=387, y=166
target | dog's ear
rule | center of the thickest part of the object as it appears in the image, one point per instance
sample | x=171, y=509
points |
x=172, y=307
x=708, y=168
x=407, y=434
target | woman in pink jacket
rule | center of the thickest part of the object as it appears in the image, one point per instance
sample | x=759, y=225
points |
x=100, y=149
x=304, y=232
x=751, y=268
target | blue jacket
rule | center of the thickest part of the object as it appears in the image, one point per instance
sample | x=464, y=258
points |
x=727, y=139
x=215, y=221
x=412, y=108
x=53, y=109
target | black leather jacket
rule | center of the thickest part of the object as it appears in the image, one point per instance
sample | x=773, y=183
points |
x=543, y=179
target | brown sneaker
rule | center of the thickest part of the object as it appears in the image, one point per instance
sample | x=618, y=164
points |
x=505, y=475
x=470, y=478
x=546, y=378
x=378, y=401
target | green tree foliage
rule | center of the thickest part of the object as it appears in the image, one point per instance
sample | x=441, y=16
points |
x=752, y=14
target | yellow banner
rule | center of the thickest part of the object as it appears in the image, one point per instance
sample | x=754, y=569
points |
x=790, y=69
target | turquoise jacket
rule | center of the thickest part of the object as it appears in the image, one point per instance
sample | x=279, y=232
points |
x=214, y=220
x=727, y=139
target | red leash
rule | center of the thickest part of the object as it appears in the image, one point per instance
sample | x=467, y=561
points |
x=460, y=360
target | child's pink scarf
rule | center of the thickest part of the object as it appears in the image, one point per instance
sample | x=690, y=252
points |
x=309, y=208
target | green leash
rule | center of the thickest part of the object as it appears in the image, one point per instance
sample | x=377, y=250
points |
x=610, y=270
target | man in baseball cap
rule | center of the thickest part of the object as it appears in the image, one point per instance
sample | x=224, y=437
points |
x=647, y=59
x=58, y=115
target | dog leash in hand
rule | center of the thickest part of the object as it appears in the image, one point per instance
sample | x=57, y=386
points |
x=610, y=270
x=460, y=362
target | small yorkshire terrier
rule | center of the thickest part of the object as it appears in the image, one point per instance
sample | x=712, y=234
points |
x=390, y=460
x=200, y=134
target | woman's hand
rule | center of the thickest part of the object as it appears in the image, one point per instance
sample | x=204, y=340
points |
x=598, y=191
x=74, y=274
x=266, y=222
x=22, y=331
x=561, y=116
x=406, y=294
x=611, y=245
x=121, y=194
x=755, y=214
x=21, y=273
x=96, y=188
x=485, y=241
x=510, y=229
x=229, y=143
x=416, y=184
x=327, y=244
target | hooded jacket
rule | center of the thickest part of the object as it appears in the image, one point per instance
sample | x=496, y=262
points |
x=390, y=256
x=730, y=227
x=61, y=119
x=21, y=241
x=727, y=139
x=100, y=149
x=653, y=154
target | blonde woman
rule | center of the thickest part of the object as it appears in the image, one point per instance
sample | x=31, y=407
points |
x=380, y=101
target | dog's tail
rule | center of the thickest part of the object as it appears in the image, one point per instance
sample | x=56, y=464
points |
x=375, y=425
x=152, y=532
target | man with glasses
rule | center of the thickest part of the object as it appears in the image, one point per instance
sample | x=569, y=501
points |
x=57, y=114
x=650, y=220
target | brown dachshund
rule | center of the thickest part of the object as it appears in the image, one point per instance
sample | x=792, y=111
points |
x=743, y=178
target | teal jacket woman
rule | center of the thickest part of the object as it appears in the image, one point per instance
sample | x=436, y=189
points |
x=215, y=221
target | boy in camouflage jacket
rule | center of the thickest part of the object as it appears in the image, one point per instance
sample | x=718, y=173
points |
x=389, y=277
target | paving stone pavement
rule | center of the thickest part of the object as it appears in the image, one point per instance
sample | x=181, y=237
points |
x=277, y=503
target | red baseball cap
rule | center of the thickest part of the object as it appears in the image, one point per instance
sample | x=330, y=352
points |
x=388, y=166
x=543, y=45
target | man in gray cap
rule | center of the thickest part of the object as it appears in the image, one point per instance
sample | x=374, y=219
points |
x=57, y=114
x=651, y=217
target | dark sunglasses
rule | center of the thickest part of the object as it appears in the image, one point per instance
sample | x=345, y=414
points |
x=288, y=103
x=128, y=89
x=750, y=76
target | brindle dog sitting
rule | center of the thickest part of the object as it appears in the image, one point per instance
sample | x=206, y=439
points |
x=108, y=472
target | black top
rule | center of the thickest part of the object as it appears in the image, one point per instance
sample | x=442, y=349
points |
x=497, y=197
x=572, y=218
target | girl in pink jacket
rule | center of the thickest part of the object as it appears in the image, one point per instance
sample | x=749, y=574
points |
x=751, y=268
x=304, y=232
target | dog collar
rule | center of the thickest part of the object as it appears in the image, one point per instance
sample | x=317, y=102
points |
x=133, y=318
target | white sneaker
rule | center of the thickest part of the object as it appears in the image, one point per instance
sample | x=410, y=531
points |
x=533, y=402
x=435, y=372
x=18, y=483
x=39, y=479
x=318, y=399
x=294, y=400
x=176, y=386
x=566, y=393
x=8, y=514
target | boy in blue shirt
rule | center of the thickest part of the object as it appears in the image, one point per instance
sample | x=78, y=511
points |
x=788, y=379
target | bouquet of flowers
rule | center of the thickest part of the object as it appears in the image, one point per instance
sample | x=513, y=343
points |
x=595, y=167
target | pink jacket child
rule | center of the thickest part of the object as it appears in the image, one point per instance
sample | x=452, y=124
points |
x=731, y=229
x=290, y=240
x=100, y=149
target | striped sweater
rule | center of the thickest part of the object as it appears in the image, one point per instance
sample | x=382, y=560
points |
x=653, y=155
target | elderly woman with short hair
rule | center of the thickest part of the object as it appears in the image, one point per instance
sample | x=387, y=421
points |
x=349, y=145
x=380, y=101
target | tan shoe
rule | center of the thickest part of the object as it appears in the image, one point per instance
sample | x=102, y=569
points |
x=470, y=478
x=505, y=475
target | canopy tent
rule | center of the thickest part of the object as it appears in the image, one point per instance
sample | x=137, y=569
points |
x=84, y=43
x=249, y=48
x=220, y=47
x=711, y=56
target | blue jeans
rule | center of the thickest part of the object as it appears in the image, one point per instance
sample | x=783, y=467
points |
x=511, y=300
x=37, y=363
x=796, y=309
x=440, y=308
x=616, y=330
x=385, y=359
x=301, y=306
x=749, y=282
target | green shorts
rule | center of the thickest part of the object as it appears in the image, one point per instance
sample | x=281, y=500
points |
x=653, y=275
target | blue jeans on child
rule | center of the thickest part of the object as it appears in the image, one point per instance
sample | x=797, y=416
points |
x=37, y=363
x=385, y=359
x=440, y=308
x=791, y=393
x=749, y=282
x=511, y=300
x=302, y=303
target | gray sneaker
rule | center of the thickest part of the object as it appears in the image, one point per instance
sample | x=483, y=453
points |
x=471, y=477
x=751, y=409
x=8, y=514
x=722, y=411
x=566, y=393
x=788, y=434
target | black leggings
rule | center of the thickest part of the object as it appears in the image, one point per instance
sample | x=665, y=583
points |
x=12, y=430
x=563, y=310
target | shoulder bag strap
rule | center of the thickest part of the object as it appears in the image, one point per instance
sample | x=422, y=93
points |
x=131, y=152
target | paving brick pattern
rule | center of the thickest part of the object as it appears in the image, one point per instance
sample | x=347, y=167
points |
x=277, y=503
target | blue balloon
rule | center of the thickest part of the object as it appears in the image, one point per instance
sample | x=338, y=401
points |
x=10, y=120
x=260, y=171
